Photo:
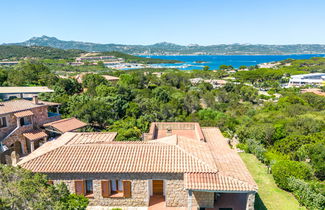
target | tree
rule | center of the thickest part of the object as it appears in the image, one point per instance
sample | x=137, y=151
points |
x=242, y=67
x=223, y=67
x=31, y=73
x=206, y=68
x=91, y=81
x=22, y=189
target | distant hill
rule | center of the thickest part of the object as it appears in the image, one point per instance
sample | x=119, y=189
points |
x=13, y=52
x=165, y=48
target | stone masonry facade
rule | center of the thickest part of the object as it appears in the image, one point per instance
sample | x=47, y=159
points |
x=203, y=199
x=176, y=195
x=39, y=118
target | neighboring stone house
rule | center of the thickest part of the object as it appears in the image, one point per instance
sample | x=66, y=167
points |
x=177, y=164
x=21, y=125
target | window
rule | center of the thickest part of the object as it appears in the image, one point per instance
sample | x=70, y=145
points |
x=116, y=188
x=3, y=122
x=84, y=187
x=89, y=187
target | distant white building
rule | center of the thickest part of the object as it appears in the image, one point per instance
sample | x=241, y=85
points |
x=22, y=92
x=315, y=79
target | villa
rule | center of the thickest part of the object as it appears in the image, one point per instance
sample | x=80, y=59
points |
x=314, y=79
x=175, y=165
x=22, y=125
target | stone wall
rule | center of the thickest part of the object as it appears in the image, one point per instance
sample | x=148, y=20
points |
x=176, y=195
x=11, y=125
x=203, y=199
x=250, y=201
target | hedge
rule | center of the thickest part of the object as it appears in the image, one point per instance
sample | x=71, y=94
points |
x=306, y=194
x=284, y=169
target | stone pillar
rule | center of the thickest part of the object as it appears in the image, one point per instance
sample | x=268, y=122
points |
x=190, y=198
x=32, y=147
x=57, y=109
x=23, y=145
x=14, y=158
x=250, y=201
x=18, y=122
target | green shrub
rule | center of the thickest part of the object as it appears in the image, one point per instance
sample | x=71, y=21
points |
x=284, y=169
x=243, y=147
x=306, y=194
x=256, y=148
x=271, y=157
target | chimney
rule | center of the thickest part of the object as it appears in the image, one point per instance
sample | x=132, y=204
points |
x=14, y=158
x=35, y=100
x=169, y=131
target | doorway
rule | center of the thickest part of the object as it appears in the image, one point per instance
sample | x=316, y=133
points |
x=158, y=187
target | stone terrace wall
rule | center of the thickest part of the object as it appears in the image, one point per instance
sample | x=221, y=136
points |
x=176, y=195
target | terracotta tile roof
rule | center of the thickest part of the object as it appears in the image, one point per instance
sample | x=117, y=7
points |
x=110, y=78
x=66, y=125
x=316, y=91
x=35, y=135
x=227, y=160
x=112, y=158
x=21, y=105
x=92, y=138
x=207, y=165
x=215, y=182
x=24, y=113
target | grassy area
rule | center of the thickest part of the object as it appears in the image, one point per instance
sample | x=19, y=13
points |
x=269, y=195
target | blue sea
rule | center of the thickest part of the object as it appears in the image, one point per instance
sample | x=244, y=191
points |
x=214, y=61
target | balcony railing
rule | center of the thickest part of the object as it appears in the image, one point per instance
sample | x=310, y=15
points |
x=53, y=114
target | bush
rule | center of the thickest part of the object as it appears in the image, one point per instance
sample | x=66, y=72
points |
x=243, y=147
x=284, y=169
x=306, y=194
x=256, y=148
x=271, y=157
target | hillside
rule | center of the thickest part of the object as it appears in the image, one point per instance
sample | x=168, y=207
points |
x=13, y=52
x=17, y=52
x=170, y=48
x=136, y=59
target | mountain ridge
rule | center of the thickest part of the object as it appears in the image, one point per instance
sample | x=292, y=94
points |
x=167, y=48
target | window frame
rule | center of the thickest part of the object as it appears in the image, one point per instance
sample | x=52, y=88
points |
x=117, y=186
x=89, y=193
x=119, y=192
x=3, y=119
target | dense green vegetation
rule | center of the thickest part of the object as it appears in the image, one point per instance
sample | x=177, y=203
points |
x=270, y=196
x=12, y=52
x=285, y=133
x=22, y=189
x=57, y=56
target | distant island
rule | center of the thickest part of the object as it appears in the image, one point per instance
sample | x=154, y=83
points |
x=166, y=48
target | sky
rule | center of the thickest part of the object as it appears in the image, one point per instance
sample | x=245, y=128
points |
x=203, y=22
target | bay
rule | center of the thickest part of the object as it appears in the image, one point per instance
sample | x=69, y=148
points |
x=214, y=61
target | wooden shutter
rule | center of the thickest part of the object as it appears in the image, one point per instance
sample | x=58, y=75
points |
x=127, y=189
x=106, y=188
x=80, y=187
